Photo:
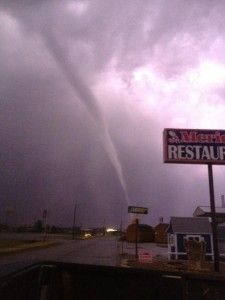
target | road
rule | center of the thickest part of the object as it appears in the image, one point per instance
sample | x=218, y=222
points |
x=99, y=251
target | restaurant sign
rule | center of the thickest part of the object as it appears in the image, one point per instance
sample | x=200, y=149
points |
x=194, y=146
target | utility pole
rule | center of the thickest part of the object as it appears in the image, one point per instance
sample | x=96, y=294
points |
x=45, y=224
x=104, y=229
x=74, y=218
x=121, y=218
x=214, y=220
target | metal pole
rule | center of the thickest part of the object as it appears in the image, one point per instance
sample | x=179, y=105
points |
x=136, y=238
x=214, y=222
x=74, y=218
x=45, y=225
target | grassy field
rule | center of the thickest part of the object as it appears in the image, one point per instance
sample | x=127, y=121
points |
x=13, y=243
x=13, y=246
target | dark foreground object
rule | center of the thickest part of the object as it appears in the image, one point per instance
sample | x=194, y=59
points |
x=51, y=280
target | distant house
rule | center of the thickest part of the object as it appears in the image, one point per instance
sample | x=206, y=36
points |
x=182, y=229
x=205, y=211
x=221, y=232
x=161, y=233
x=145, y=233
x=221, y=239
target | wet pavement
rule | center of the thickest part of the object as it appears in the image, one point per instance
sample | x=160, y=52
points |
x=97, y=251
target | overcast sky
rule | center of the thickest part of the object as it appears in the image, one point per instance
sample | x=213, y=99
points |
x=86, y=89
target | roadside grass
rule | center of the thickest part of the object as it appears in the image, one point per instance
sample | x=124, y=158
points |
x=12, y=243
x=13, y=246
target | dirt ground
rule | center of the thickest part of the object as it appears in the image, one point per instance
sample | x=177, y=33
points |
x=163, y=264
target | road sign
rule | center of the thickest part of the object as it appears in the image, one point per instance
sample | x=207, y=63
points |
x=137, y=210
x=145, y=256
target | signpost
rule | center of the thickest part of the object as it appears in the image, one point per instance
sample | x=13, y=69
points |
x=197, y=146
x=137, y=210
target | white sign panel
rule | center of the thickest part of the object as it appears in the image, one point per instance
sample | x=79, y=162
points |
x=194, y=146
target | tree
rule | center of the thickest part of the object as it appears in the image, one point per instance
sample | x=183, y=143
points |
x=38, y=226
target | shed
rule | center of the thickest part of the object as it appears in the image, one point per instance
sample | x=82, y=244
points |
x=161, y=233
x=145, y=233
x=182, y=229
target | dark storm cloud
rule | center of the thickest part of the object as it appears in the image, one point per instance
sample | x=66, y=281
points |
x=51, y=150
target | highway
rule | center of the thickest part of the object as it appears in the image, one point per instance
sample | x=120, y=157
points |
x=99, y=251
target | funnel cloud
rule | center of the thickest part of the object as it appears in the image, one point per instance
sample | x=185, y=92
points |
x=91, y=103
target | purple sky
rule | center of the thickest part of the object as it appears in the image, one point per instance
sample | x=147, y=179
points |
x=75, y=74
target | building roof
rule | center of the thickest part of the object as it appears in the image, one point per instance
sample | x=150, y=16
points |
x=162, y=226
x=206, y=211
x=141, y=226
x=189, y=225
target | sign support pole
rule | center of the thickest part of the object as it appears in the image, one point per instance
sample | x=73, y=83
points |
x=136, y=237
x=214, y=221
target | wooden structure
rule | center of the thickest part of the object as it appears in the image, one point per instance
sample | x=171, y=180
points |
x=145, y=233
x=161, y=233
